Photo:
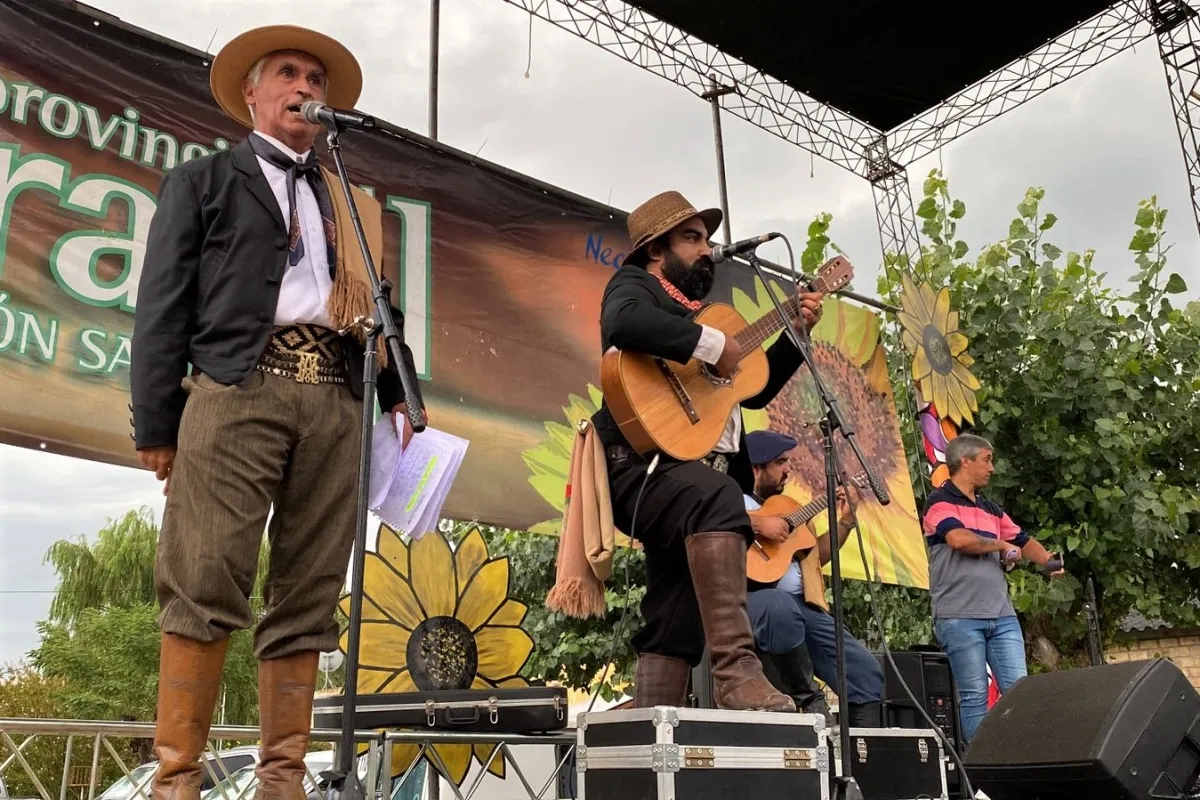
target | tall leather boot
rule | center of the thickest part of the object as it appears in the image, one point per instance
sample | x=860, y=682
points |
x=718, y=565
x=865, y=715
x=796, y=670
x=660, y=681
x=285, y=700
x=189, y=680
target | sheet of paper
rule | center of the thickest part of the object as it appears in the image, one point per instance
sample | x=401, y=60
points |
x=413, y=483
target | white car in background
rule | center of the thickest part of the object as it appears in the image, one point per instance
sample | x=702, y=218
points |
x=231, y=761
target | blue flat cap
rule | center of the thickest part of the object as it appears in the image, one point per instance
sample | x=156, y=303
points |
x=766, y=446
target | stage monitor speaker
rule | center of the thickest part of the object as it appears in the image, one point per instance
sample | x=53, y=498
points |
x=1101, y=733
x=927, y=675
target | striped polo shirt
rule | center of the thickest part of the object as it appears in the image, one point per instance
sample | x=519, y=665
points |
x=965, y=586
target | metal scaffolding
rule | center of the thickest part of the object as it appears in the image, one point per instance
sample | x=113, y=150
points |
x=882, y=156
x=1178, y=31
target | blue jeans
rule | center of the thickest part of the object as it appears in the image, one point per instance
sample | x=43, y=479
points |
x=972, y=645
x=783, y=621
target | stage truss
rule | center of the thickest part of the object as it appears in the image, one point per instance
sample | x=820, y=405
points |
x=882, y=157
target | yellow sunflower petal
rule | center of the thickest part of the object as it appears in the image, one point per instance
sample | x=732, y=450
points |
x=431, y=565
x=402, y=756
x=929, y=301
x=371, y=681
x=511, y=613
x=910, y=324
x=913, y=301
x=456, y=758
x=941, y=310
x=381, y=645
x=483, y=752
x=941, y=395
x=471, y=553
x=921, y=368
x=402, y=682
x=959, y=400
x=965, y=359
x=515, y=682
x=390, y=593
x=957, y=343
x=964, y=376
x=952, y=323
x=393, y=549
x=369, y=609
x=876, y=373
x=484, y=594
x=502, y=651
x=911, y=342
x=480, y=682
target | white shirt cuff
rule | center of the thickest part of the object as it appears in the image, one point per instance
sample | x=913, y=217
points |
x=710, y=346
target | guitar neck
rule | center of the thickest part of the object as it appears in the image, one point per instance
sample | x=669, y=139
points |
x=805, y=513
x=753, y=335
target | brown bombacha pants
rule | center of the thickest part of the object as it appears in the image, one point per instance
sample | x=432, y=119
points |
x=269, y=440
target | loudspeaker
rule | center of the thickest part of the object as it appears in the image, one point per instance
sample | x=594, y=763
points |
x=927, y=674
x=1101, y=733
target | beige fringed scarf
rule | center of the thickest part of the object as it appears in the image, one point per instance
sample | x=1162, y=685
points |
x=350, y=296
x=586, y=542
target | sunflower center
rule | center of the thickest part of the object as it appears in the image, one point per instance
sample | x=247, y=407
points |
x=937, y=351
x=442, y=654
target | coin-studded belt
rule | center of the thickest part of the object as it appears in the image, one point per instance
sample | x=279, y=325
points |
x=304, y=353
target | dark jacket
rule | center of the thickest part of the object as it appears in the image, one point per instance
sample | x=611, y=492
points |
x=637, y=314
x=215, y=257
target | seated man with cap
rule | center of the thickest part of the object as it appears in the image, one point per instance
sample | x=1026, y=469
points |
x=793, y=630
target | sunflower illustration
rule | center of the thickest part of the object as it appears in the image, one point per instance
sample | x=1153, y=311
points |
x=941, y=365
x=435, y=619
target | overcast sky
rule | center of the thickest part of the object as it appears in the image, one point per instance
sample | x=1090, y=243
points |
x=589, y=122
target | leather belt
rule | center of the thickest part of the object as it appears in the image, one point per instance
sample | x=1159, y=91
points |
x=717, y=461
x=305, y=353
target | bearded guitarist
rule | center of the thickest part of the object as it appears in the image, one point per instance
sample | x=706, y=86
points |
x=691, y=518
x=793, y=630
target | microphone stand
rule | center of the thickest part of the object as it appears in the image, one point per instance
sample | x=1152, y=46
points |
x=833, y=420
x=342, y=780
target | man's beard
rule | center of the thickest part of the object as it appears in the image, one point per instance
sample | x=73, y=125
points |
x=695, y=281
x=768, y=491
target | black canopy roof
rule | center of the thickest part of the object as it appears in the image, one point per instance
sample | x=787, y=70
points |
x=882, y=61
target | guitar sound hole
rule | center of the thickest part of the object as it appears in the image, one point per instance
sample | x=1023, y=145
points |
x=710, y=374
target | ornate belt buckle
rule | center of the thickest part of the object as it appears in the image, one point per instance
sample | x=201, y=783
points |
x=306, y=368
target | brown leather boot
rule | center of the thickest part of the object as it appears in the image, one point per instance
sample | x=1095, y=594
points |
x=285, y=700
x=189, y=680
x=660, y=681
x=718, y=565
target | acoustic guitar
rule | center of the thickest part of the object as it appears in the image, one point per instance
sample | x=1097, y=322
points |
x=681, y=409
x=767, y=561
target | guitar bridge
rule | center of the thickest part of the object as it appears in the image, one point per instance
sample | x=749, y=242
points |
x=680, y=393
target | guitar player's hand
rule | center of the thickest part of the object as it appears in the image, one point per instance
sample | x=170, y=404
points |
x=810, y=311
x=770, y=529
x=727, y=364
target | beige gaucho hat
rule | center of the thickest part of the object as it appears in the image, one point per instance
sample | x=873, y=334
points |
x=229, y=68
x=660, y=214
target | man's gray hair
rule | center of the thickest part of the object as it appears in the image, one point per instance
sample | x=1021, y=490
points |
x=968, y=445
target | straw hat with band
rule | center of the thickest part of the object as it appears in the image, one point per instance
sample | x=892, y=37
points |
x=343, y=76
x=660, y=214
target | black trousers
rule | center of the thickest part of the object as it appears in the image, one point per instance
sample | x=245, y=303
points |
x=681, y=498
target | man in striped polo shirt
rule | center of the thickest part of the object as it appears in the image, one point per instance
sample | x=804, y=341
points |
x=971, y=543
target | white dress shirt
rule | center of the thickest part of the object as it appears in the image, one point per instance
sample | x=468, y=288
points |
x=708, y=350
x=305, y=288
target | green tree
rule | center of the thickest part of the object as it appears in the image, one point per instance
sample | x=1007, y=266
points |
x=27, y=694
x=102, y=640
x=1090, y=394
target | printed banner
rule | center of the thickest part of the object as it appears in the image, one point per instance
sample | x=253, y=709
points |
x=498, y=275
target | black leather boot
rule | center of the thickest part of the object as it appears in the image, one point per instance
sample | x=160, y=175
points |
x=796, y=671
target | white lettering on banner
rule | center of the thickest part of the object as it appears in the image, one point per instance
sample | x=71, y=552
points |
x=74, y=259
x=416, y=243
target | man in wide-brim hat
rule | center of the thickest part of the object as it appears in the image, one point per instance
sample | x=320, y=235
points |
x=691, y=515
x=251, y=270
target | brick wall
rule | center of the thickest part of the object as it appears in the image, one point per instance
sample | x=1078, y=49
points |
x=1184, y=651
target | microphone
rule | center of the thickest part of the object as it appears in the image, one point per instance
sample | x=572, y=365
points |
x=318, y=113
x=724, y=252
